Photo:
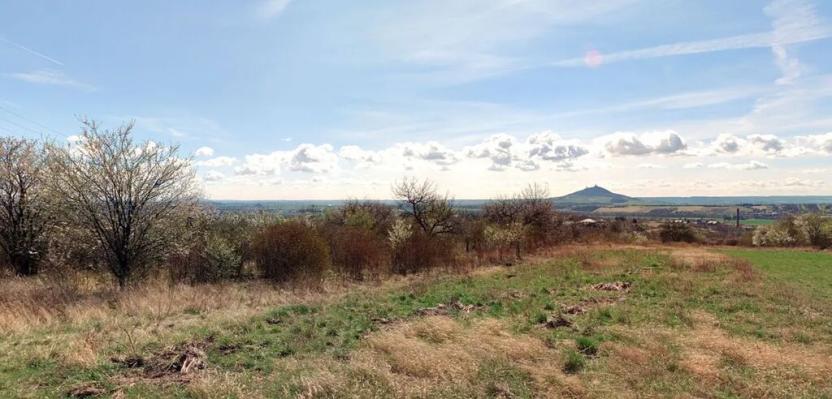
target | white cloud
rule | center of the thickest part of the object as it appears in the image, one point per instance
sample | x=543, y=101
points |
x=727, y=144
x=794, y=21
x=50, y=77
x=653, y=143
x=505, y=151
x=214, y=176
x=313, y=158
x=431, y=152
x=818, y=143
x=693, y=165
x=496, y=148
x=549, y=146
x=217, y=162
x=204, y=152
x=261, y=164
x=791, y=18
x=364, y=158
x=767, y=143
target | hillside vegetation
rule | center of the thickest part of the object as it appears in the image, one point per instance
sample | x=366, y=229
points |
x=588, y=322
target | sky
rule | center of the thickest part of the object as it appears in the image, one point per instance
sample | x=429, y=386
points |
x=313, y=99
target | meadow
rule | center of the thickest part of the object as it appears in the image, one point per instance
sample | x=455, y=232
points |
x=574, y=321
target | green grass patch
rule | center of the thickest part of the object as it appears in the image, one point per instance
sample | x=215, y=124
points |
x=757, y=222
x=809, y=270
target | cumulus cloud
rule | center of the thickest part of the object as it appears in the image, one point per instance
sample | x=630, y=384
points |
x=653, y=143
x=313, y=158
x=261, y=164
x=431, y=152
x=496, y=148
x=357, y=154
x=767, y=143
x=818, y=143
x=306, y=158
x=204, y=152
x=505, y=151
x=217, y=162
x=551, y=147
x=727, y=144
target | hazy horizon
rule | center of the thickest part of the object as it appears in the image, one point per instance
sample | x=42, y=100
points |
x=305, y=100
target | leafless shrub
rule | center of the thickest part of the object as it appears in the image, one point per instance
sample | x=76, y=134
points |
x=531, y=209
x=676, y=232
x=358, y=253
x=291, y=251
x=420, y=252
x=357, y=233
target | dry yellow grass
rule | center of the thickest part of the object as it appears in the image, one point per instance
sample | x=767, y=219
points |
x=431, y=355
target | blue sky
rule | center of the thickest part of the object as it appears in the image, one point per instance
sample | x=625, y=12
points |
x=328, y=99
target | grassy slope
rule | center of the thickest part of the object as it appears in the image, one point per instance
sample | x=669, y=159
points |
x=704, y=328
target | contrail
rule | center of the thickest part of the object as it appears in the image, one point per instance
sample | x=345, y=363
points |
x=33, y=52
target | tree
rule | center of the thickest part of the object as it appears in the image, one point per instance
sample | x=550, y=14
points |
x=432, y=212
x=530, y=207
x=816, y=230
x=23, y=199
x=130, y=196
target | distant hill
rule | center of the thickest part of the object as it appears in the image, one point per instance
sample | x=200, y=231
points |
x=595, y=195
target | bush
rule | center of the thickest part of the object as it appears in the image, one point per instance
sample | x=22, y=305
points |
x=676, y=232
x=358, y=253
x=817, y=230
x=417, y=251
x=290, y=251
x=787, y=232
x=211, y=261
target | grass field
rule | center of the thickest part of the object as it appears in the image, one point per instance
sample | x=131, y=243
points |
x=758, y=222
x=598, y=322
x=809, y=271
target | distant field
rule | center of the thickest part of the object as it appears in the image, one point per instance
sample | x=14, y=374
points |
x=758, y=222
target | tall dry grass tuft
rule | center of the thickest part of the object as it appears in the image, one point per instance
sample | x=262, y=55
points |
x=31, y=303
